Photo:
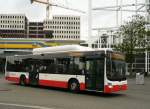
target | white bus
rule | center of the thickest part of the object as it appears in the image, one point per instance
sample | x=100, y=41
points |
x=70, y=66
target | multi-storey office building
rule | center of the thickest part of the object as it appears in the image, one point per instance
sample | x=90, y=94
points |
x=13, y=25
x=64, y=27
x=35, y=30
x=18, y=26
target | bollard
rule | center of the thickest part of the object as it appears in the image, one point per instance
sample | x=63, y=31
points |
x=140, y=78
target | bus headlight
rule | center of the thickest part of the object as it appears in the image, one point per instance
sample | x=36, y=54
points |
x=110, y=85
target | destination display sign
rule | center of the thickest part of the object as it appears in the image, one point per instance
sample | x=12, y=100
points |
x=117, y=56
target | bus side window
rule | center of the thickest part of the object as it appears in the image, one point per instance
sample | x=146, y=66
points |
x=71, y=66
x=10, y=66
x=76, y=66
x=58, y=65
x=50, y=66
x=63, y=65
x=82, y=68
x=66, y=65
x=18, y=66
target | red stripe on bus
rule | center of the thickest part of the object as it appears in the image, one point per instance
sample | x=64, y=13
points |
x=27, y=81
x=13, y=79
x=60, y=84
x=53, y=83
x=82, y=86
x=124, y=87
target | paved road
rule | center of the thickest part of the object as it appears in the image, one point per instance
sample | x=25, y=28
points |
x=13, y=96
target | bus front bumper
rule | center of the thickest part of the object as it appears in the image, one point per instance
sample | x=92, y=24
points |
x=114, y=88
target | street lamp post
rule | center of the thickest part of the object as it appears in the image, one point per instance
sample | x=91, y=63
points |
x=146, y=51
x=89, y=22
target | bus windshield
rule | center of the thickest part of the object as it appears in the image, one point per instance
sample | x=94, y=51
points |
x=116, y=67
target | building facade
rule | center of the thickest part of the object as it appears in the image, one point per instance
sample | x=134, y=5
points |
x=64, y=27
x=35, y=30
x=13, y=25
x=59, y=28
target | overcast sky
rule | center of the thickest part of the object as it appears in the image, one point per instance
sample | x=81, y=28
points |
x=37, y=12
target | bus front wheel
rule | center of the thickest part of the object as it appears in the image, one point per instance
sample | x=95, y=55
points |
x=74, y=86
x=22, y=81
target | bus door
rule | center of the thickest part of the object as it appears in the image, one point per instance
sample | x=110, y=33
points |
x=34, y=75
x=94, y=78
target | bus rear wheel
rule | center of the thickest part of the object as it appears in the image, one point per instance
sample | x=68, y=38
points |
x=74, y=86
x=22, y=81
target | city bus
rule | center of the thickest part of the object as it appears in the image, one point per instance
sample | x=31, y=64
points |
x=72, y=67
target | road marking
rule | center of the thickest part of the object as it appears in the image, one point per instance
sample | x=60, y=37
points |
x=5, y=89
x=25, y=106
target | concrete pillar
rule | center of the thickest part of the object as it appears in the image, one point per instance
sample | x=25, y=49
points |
x=89, y=22
x=146, y=55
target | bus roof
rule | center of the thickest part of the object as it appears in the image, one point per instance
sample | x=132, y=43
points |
x=64, y=48
x=62, y=51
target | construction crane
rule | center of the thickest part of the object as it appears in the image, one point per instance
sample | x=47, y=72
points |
x=49, y=6
x=118, y=8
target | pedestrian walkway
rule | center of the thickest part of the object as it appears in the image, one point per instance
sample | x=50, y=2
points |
x=133, y=80
x=140, y=88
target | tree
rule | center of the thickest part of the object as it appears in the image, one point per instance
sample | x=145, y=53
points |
x=49, y=34
x=133, y=33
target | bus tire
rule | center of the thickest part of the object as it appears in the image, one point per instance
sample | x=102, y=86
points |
x=22, y=81
x=73, y=85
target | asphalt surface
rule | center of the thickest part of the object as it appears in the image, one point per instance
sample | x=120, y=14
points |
x=13, y=96
x=13, y=107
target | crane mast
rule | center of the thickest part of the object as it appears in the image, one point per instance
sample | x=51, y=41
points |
x=49, y=6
